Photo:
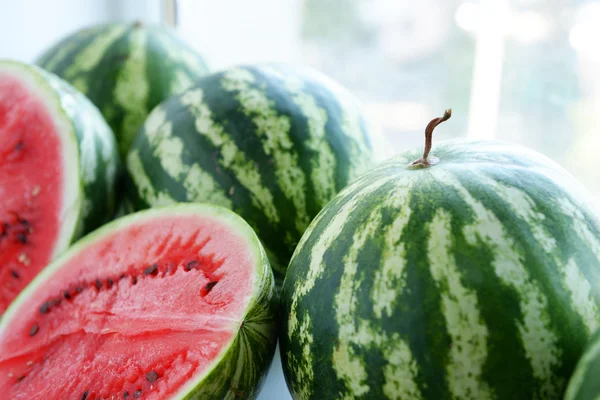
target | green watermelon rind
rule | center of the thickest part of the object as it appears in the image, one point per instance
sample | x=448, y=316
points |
x=125, y=69
x=273, y=142
x=354, y=326
x=226, y=376
x=89, y=152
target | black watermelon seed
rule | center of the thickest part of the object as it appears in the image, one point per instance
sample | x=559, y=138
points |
x=191, y=265
x=45, y=308
x=151, y=270
x=21, y=237
x=152, y=376
x=35, y=328
x=134, y=280
x=84, y=396
x=98, y=284
x=19, y=379
x=125, y=395
x=15, y=274
x=109, y=283
x=66, y=295
x=137, y=394
x=210, y=285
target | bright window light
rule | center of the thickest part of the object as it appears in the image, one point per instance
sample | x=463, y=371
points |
x=529, y=27
x=467, y=16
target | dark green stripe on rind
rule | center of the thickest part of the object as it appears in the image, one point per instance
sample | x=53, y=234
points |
x=274, y=143
x=125, y=70
x=99, y=165
x=476, y=278
x=60, y=56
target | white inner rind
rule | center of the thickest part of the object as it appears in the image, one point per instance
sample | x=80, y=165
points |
x=72, y=192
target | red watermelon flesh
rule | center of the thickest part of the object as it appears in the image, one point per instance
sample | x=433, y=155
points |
x=31, y=187
x=135, y=312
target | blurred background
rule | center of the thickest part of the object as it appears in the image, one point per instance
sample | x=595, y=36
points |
x=527, y=71
x=520, y=70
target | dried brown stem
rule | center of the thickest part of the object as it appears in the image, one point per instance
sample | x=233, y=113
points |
x=424, y=161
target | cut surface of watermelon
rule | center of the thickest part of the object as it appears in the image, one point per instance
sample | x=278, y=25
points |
x=37, y=186
x=146, y=307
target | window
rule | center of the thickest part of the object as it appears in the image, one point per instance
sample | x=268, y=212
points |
x=516, y=70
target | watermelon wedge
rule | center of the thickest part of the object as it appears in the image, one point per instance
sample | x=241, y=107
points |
x=168, y=303
x=58, y=167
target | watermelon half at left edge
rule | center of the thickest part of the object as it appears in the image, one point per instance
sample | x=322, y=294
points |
x=170, y=303
x=58, y=170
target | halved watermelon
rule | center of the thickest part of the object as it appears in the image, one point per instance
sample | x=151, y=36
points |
x=168, y=303
x=58, y=167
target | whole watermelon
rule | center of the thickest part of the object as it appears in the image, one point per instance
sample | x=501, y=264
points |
x=272, y=142
x=474, y=276
x=585, y=382
x=125, y=69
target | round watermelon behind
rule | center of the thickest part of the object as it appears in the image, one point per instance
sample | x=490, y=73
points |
x=272, y=142
x=470, y=273
x=170, y=303
x=58, y=170
x=125, y=69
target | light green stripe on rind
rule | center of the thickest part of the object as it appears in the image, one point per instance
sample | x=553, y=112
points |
x=323, y=166
x=315, y=269
x=350, y=367
x=143, y=184
x=351, y=125
x=232, y=158
x=579, y=288
x=390, y=277
x=580, y=225
x=400, y=370
x=464, y=322
x=536, y=332
x=166, y=147
x=304, y=362
x=89, y=57
x=584, y=370
x=132, y=88
x=54, y=58
x=580, y=291
x=179, y=56
x=274, y=131
x=200, y=186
